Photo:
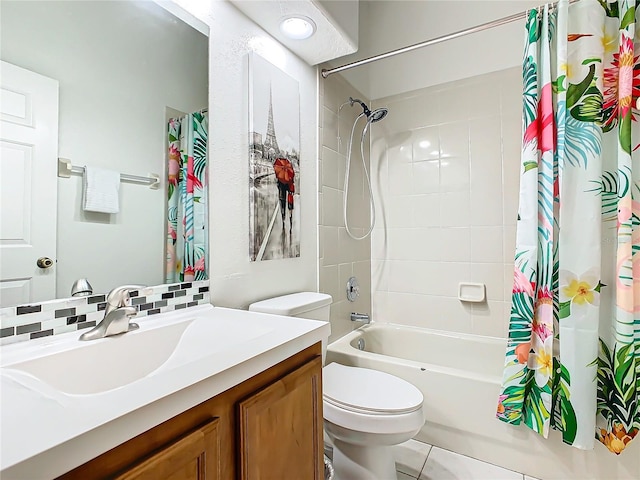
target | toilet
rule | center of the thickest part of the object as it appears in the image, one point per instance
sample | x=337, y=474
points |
x=365, y=411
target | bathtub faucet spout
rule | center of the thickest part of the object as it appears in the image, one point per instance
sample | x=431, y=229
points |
x=360, y=317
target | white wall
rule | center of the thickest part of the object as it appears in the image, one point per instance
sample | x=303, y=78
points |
x=118, y=69
x=445, y=168
x=235, y=281
x=340, y=256
x=390, y=24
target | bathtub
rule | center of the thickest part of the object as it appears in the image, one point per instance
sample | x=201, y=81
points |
x=460, y=376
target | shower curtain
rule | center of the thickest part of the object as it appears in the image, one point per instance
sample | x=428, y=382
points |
x=187, y=199
x=573, y=352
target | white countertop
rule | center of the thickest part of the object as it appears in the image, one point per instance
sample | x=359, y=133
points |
x=45, y=432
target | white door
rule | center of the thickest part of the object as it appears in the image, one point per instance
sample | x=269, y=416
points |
x=28, y=195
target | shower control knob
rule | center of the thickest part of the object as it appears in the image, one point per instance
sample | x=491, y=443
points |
x=353, y=289
x=44, y=262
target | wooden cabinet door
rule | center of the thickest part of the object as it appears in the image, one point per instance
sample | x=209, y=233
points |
x=196, y=456
x=281, y=428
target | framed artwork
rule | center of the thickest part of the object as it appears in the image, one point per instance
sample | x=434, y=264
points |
x=274, y=162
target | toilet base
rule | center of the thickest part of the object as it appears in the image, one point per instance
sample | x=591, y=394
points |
x=357, y=462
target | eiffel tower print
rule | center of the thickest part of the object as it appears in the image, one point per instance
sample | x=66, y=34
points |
x=274, y=163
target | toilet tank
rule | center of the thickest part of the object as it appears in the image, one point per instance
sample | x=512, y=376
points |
x=311, y=305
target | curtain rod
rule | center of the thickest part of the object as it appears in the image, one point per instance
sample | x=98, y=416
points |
x=433, y=41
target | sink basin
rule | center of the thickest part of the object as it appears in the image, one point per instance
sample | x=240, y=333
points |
x=108, y=363
x=160, y=345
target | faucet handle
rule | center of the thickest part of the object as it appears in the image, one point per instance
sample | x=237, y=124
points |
x=118, y=296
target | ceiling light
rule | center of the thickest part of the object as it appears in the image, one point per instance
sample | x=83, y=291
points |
x=297, y=27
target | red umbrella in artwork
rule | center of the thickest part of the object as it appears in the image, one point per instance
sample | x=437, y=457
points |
x=283, y=170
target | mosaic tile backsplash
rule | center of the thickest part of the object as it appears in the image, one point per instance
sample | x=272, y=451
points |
x=28, y=322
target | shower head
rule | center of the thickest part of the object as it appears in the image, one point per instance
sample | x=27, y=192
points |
x=378, y=114
x=372, y=117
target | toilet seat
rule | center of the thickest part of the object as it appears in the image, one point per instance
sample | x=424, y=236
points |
x=364, y=390
x=370, y=401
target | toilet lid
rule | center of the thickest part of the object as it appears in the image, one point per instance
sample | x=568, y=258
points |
x=371, y=391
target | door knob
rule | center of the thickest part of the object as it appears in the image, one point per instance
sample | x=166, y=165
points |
x=44, y=262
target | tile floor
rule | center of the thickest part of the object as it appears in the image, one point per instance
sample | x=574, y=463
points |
x=417, y=460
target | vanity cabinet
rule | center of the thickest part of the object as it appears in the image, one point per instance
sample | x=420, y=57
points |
x=284, y=417
x=267, y=427
x=196, y=456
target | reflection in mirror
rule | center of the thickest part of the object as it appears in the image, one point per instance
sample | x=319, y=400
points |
x=117, y=72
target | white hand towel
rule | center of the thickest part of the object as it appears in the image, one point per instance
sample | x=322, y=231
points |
x=101, y=188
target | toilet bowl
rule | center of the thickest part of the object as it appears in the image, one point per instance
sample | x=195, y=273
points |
x=365, y=411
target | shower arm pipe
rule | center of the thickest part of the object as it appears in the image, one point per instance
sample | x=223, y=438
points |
x=478, y=28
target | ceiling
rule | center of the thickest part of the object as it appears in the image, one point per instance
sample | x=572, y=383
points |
x=350, y=30
x=336, y=22
x=386, y=25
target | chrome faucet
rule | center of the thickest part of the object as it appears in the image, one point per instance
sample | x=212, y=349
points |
x=360, y=317
x=117, y=315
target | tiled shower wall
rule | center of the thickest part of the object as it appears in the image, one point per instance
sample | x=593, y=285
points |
x=341, y=257
x=446, y=167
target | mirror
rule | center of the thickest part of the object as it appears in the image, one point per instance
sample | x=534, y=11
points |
x=124, y=68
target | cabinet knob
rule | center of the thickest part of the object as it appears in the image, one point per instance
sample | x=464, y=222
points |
x=44, y=262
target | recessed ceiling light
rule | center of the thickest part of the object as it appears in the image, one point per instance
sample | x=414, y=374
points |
x=297, y=27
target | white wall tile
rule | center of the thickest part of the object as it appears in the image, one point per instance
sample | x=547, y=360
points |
x=426, y=210
x=454, y=140
x=511, y=162
x=332, y=163
x=454, y=174
x=429, y=243
x=511, y=92
x=425, y=177
x=332, y=207
x=331, y=248
x=413, y=111
x=462, y=202
x=486, y=244
x=492, y=275
x=402, y=275
x=509, y=243
x=508, y=271
x=489, y=319
x=400, y=212
x=409, y=244
x=341, y=256
x=450, y=314
x=379, y=275
x=447, y=276
x=380, y=304
x=329, y=281
x=454, y=209
x=485, y=94
x=329, y=129
x=453, y=104
x=486, y=204
x=455, y=244
x=400, y=181
x=426, y=144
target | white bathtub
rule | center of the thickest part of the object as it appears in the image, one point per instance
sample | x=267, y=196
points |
x=459, y=376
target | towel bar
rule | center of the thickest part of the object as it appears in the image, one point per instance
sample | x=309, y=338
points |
x=65, y=169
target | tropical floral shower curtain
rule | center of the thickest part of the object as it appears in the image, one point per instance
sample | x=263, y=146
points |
x=573, y=353
x=187, y=199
